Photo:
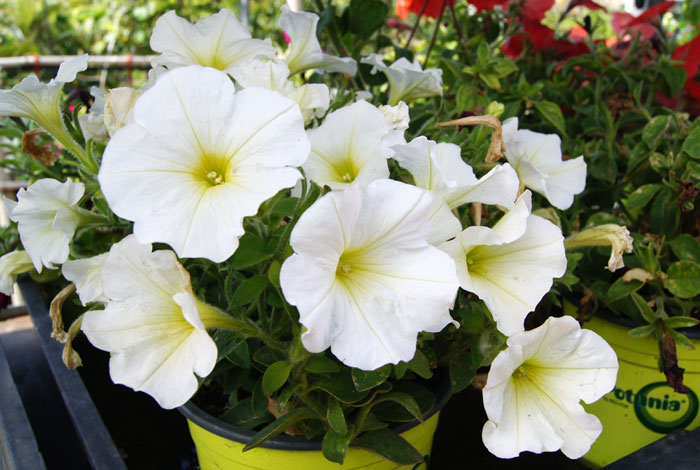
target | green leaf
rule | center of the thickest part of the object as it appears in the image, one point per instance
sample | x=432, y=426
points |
x=505, y=67
x=284, y=396
x=400, y=369
x=664, y=216
x=686, y=248
x=681, y=339
x=691, y=146
x=249, y=290
x=320, y=364
x=392, y=411
x=641, y=196
x=482, y=53
x=681, y=322
x=420, y=364
x=644, y=308
x=251, y=251
x=654, y=129
x=368, y=379
x=273, y=274
x=240, y=355
x=642, y=331
x=389, y=445
x=462, y=372
x=366, y=16
x=675, y=78
x=340, y=386
x=278, y=426
x=285, y=206
x=620, y=289
x=336, y=417
x=490, y=80
x=552, y=114
x=275, y=376
x=405, y=400
x=335, y=445
x=683, y=279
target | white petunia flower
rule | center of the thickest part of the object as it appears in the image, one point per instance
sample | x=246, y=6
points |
x=440, y=168
x=313, y=99
x=13, y=264
x=199, y=158
x=398, y=119
x=510, y=266
x=92, y=122
x=535, y=386
x=538, y=160
x=40, y=102
x=152, y=325
x=615, y=236
x=119, y=108
x=347, y=148
x=364, y=278
x=407, y=81
x=86, y=275
x=219, y=41
x=47, y=216
x=304, y=50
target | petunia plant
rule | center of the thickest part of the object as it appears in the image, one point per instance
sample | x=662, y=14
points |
x=312, y=234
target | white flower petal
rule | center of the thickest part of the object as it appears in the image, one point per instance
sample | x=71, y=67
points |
x=199, y=158
x=86, y=275
x=407, y=81
x=150, y=325
x=119, y=108
x=313, y=99
x=439, y=167
x=11, y=265
x=534, y=388
x=219, y=41
x=69, y=69
x=538, y=160
x=509, y=268
x=46, y=222
x=346, y=148
x=363, y=277
x=304, y=49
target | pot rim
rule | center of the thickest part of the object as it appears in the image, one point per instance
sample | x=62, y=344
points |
x=284, y=442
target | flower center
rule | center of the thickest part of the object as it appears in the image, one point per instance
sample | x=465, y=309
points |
x=345, y=170
x=215, y=178
x=212, y=169
x=520, y=372
x=343, y=268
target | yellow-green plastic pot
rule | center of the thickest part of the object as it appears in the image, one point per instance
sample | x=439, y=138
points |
x=642, y=408
x=220, y=445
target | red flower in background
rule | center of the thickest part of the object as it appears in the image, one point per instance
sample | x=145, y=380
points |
x=689, y=54
x=432, y=7
x=643, y=24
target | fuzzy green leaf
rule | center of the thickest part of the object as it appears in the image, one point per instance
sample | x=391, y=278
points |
x=641, y=196
x=654, y=129
x=642, y=331
x=552, y=114
x=681, y=322
x=389, y=445
x=644, y=308
x=368, y=379
x=683, y=279
x=336, y=417
x=320, y=364
x=420, y=364
x=275, y=376
x=686, y=248
x=335, y=445
x=251, y=251
x=278, y=426
x=249, y=290
x=691, y=146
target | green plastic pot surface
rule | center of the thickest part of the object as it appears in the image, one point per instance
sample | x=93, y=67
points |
x=220, y=445
x=642, y=408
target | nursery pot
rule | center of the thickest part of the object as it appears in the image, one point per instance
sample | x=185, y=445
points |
x=643, y=407
x=220, y=444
